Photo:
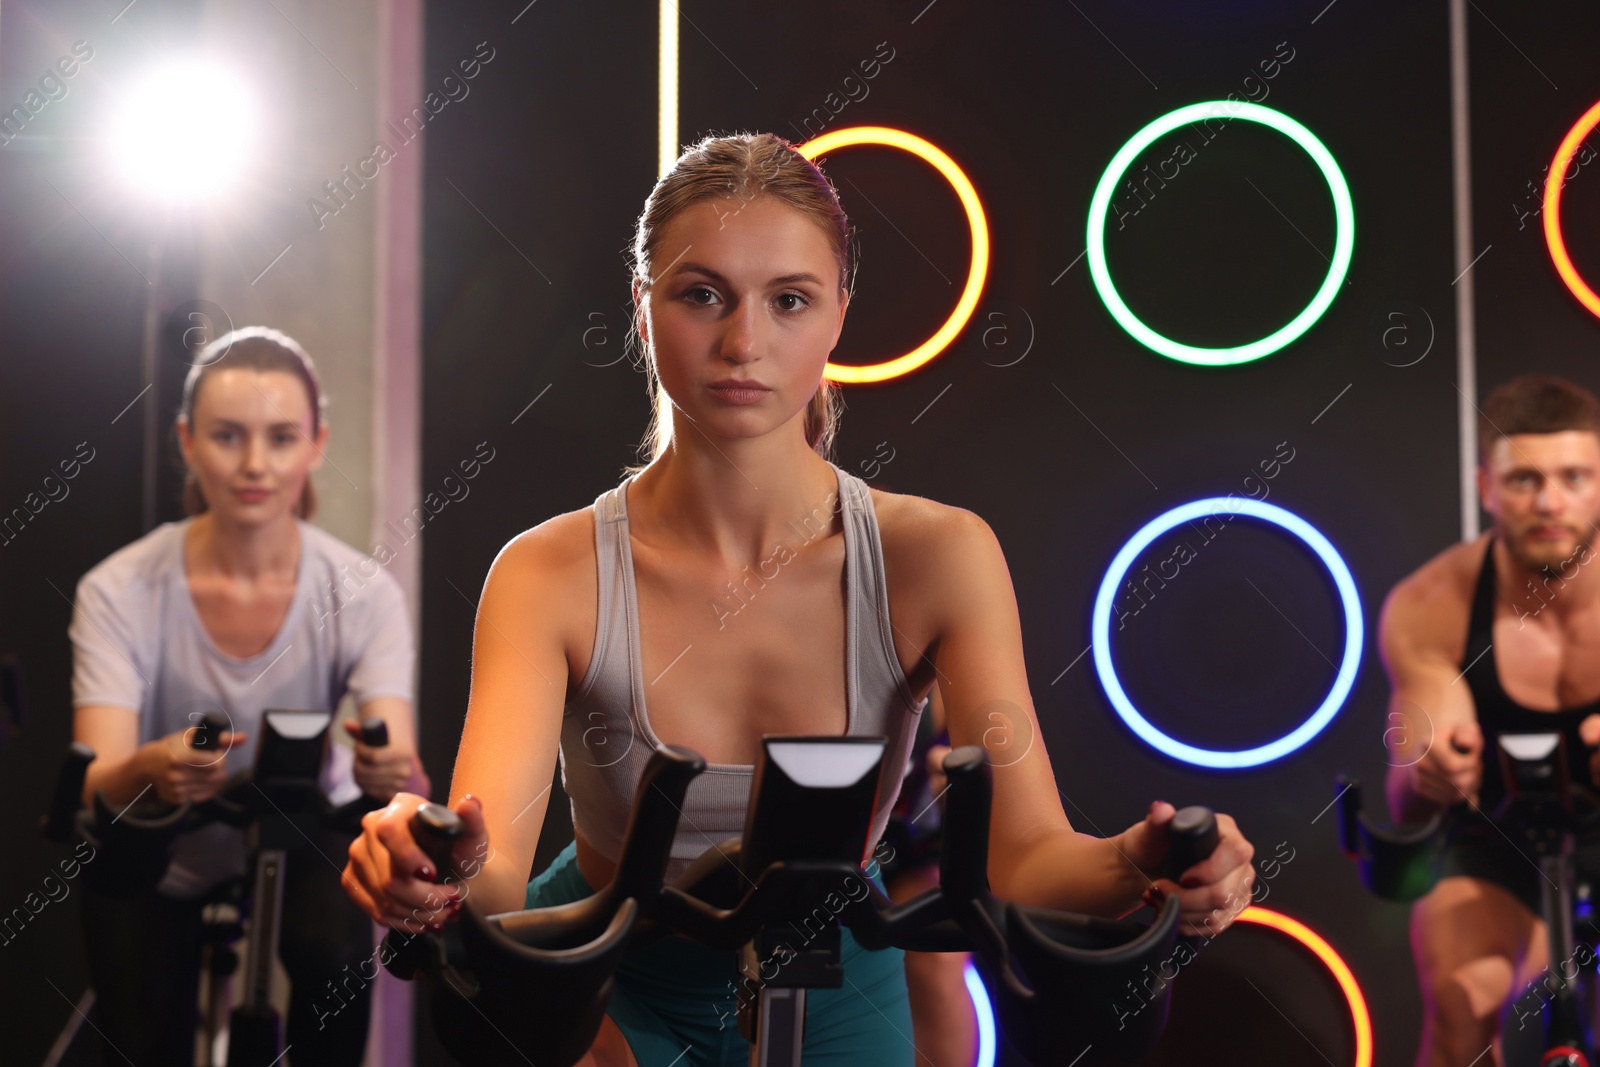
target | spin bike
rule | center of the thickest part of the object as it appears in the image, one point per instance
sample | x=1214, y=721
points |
x=279, y=804
x=1546, y=815
x=533, y=985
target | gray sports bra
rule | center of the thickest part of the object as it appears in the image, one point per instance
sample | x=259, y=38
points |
x=606, y=736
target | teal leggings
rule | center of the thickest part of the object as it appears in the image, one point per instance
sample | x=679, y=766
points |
x=675, y=1000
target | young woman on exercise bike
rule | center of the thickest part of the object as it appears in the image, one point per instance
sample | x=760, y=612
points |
x=241, y=607
x=747, y=586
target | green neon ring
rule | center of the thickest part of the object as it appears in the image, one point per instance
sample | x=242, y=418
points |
x=1344, y=243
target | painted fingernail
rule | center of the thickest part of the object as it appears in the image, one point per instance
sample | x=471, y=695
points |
x=436, y=927
x=425, y=873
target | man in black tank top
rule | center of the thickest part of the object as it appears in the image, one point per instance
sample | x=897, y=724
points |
x=1499, y=714
x=1515, y=611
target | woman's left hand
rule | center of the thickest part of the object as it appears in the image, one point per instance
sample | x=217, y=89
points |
x=1214, y=891
x=383, y=772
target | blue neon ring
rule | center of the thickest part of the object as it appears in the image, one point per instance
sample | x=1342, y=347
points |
x=1349, y=599
x=983, y=1010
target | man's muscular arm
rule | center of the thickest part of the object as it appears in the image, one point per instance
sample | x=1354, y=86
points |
x=1431, y=731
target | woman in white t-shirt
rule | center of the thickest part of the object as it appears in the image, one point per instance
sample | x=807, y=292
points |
x=241, y=607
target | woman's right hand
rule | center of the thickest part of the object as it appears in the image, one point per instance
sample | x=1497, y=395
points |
x=180, y=772
x=391, y=879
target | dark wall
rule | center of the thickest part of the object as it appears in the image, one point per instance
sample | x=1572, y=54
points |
x=529, y=191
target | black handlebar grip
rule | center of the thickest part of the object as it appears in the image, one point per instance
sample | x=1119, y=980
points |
x=653, y=823
x=13, y=697
x=963, y=858
x=209, y=732
x=1192, y=836
x=374, y=733
x=436, y=829
x=68, y=796
x=1349, y=804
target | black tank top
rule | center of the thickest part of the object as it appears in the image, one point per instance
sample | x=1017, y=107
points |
x=1498, y=713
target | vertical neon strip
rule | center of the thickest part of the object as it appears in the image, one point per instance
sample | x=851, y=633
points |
x=667, y=90
x=1466, y=336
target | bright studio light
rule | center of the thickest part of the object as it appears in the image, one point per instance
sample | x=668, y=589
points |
x=184, y=131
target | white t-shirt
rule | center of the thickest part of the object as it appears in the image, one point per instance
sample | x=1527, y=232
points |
x=138, y=643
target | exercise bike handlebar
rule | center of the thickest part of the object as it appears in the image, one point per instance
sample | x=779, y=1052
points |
x=58, y=824
x=1192, y=837
x=535, y=982
x=1402, y=862
x=139, y=837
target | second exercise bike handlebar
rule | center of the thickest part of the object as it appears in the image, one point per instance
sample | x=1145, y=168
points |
x=1543, y=811
x=138, y=839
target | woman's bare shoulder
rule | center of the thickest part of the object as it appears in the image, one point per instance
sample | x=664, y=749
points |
x=941, y=564
x=551, y=566
x=923, y=535
x=559, y=549
x=903, y=515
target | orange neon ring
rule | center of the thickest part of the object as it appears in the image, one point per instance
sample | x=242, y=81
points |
x=1552, y=209
x=976, y=221
x=1330, y=959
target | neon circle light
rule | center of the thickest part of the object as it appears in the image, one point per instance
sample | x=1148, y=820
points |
x=1330, y=959
x=1206, y=757
x=1552, y=209
x=977, y=223
x=1344, y=242
x=983, y=1010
